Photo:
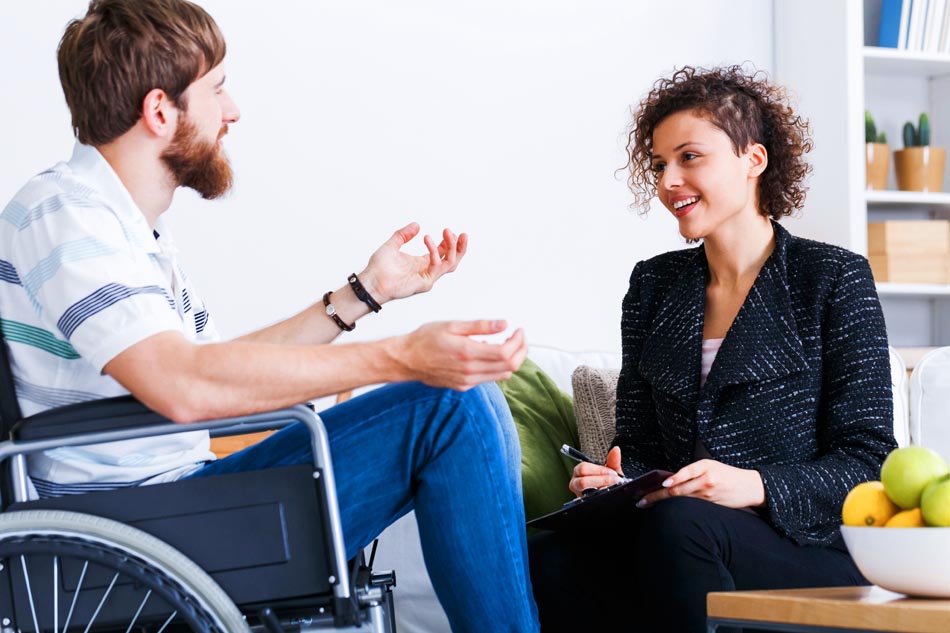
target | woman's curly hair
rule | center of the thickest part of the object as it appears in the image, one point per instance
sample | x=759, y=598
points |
x=749, y=109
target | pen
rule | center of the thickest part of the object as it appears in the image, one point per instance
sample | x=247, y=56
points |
x=575, y=454
x=578, y=456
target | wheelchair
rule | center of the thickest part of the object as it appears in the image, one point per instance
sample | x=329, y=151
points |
x=257, y=552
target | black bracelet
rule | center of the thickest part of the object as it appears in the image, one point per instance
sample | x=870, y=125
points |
x=331, y=312
x=361, y=293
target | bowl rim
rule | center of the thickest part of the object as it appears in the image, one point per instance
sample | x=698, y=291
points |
x=891, y=529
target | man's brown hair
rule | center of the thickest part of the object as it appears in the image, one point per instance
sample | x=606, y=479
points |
x=121, y=50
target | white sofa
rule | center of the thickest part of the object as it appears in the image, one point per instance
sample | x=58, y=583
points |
x=930, y=401
x=417, y=608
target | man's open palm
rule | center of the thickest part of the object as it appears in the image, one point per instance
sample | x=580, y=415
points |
x=395, y=275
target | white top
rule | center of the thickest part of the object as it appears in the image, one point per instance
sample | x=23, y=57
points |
x=710, y=350
x=83, y=278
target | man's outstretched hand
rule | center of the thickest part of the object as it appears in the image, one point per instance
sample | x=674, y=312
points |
x=392, y=274
x=443, y=354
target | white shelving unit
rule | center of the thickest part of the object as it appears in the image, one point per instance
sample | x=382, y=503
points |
x=891, y=61
x=934, y=201
x=888, y=289
x=824, y=54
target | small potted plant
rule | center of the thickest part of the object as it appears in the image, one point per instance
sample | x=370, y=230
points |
x=919, y=166
x=877, y=154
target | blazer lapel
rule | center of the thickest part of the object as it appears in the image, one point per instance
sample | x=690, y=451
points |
x=763, y=342
x=672, y=349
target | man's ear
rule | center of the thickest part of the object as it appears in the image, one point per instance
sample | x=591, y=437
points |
x=758, y=159
x=159, y=113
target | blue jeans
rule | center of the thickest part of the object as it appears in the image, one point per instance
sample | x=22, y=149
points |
x=453, y=457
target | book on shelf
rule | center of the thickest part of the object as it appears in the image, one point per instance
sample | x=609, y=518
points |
x=903, y=25
x=927, y=33
x=915, y=24
x=944, y=46
x=935, y=13
x=890, y=30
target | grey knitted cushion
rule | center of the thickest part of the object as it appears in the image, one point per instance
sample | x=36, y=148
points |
x=595, y=403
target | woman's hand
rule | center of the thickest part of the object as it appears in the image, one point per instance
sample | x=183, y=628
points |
x=392, y=274
x=588, y=475
x=713, y=481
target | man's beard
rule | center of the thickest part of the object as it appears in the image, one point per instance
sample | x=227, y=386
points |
x=197, y=164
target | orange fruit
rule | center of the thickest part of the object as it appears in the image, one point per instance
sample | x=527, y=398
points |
x=867, y=505
x=907, y=518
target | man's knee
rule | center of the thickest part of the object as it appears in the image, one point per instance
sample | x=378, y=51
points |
x=484, y=404
x=481, y=410
x=496, y=406
x=488, y=413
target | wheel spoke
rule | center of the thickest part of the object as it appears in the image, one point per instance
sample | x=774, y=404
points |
x=56, y=594
x=136, y=616
x=72, y=605
x=29, y=592
x=105, y=596
x=168, y=621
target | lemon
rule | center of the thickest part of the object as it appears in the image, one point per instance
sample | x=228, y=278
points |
x=868, y=505
x=907, y=518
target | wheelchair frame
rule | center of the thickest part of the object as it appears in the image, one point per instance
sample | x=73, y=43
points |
x=353, y=603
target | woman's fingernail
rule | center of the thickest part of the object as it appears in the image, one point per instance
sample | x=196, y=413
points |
x=667, y=483
x=642, y=503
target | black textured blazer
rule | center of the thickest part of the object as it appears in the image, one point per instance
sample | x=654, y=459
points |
x=800, y=389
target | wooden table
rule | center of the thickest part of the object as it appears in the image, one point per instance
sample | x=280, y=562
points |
x=863, y=609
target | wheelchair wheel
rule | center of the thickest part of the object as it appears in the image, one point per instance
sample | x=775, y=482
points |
x=65, y=571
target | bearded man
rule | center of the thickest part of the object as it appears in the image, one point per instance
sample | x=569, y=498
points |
x=95, y=304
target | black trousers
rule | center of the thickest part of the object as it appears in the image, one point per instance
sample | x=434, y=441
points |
x=651, y=569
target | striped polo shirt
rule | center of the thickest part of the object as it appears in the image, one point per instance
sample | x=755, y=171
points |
x=82, y=278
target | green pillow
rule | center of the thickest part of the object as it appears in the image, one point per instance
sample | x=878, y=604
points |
x=544, y=417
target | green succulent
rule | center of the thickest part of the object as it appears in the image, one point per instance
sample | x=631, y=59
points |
x=917, y=136
x=871, y=134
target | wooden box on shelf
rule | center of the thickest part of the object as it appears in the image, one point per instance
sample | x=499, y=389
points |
x=910, y=251
x=909, y=237
x=916, y=269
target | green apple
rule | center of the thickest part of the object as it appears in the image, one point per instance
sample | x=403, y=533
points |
x=935, y=502
x=907, y=471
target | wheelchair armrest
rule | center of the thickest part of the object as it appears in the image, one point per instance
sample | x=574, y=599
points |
x=124, y=417
x=108, y=414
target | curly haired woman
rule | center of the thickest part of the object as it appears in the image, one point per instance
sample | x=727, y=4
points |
x=755, y=368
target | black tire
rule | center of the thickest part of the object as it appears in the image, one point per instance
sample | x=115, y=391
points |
x=59, y=565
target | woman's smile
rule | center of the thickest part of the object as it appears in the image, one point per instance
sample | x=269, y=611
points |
x=682, y=206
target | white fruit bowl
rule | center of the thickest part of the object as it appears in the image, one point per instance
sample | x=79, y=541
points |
x=912, y=561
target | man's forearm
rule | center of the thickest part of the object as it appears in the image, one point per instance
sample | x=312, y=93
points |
x=313, y=326
x=188, y=382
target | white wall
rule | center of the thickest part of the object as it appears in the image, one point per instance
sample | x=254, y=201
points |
x=503, y=119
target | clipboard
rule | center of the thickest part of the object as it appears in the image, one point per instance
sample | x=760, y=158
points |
x=604, y=503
